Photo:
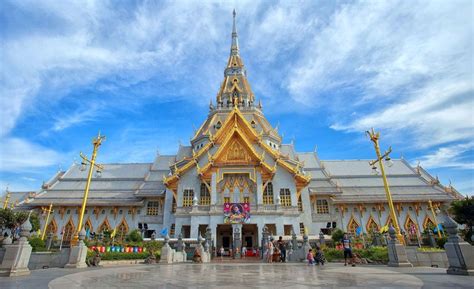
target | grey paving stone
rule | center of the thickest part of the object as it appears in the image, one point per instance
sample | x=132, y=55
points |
x=240, y=275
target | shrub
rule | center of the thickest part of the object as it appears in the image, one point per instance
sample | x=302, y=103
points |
x=337, y=235
x=430, y=249
x=332, y=254
x=441, y=241
x=134, y=236
x=154, y=246
x=37, y=244
x=379, y=254
x=124, y=256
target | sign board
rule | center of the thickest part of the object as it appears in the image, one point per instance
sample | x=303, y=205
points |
x=236, y=213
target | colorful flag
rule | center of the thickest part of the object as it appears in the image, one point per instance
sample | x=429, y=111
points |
x=113, y=233
x=164, y=232
x=384, y=229
x=88, y=233
x=358, y=231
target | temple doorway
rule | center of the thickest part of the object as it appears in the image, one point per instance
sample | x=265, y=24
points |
x=250, y=236
x=224, y=238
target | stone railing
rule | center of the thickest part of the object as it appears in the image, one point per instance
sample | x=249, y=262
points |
x=322, y=217
x=157, y=219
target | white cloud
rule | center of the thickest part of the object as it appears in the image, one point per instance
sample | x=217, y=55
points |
x=64, y=121
x=407, y=67
x=19, y=155
x=449, y=157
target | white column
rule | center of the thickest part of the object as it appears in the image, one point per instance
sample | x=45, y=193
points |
x=280, y=228
x=259, y=197
x=213, y=189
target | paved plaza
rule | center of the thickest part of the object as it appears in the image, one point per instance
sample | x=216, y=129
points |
x=240, y=275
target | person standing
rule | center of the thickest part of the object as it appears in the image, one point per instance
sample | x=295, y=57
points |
x=270, y=251
x=310, y=257
x=244, y=251
x=222, y=253
x=282, y=248
x=347, y=245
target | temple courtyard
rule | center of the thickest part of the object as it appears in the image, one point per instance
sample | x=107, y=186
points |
x=240, y=275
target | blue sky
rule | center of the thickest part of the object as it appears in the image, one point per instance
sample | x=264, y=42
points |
x=143, y=73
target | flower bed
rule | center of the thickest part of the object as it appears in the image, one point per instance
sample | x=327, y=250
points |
x=118, y=249
x=120, y=255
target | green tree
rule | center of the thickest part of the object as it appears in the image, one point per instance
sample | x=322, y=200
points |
x=7, y=219
x=12, y=220
x=463, y=213
x=337, y=235
x=134, y=236
x=35, y=222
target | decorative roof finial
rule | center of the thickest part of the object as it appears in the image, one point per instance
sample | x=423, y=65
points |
x=234, y=50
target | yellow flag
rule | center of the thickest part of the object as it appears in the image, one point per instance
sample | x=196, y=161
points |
x=113, y=233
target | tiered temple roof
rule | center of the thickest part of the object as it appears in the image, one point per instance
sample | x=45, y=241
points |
x=347, y=181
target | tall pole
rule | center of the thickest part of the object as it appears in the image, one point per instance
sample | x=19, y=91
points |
x=435, y=219
x=374, y=137
x=46, y=222
x=96, y=142
x=7, y=199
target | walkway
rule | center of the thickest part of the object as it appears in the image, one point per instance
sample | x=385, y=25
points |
x=252, y=275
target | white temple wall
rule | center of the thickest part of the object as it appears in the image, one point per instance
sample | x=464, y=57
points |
x=283, y=179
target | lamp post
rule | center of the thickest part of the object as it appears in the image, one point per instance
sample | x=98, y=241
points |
x=435, y=219
x=374, y=137
x=96, y=142
x=46, y=222
x=7, y=199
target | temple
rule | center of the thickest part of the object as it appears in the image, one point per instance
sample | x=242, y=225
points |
x=235, y=177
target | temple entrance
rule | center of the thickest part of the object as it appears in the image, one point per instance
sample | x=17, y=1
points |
x=224, y=239
x=250, y=236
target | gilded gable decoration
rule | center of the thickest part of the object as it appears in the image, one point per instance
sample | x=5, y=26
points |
x=352, y=225
x=105, y=226
x=428, y=223
x=237, y=153
x=372, y=225
x=52, y=227
x=88, y=225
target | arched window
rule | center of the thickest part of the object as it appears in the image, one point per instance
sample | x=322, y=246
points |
x=372, y=226
x=68, y=231
x=411, y=228
x=122, y=230
x=300, y=204
x=322, y=206
x=88, y=226
x=52, y=227
x=352, y=226
x=428, y=224
x=218, y=125
x=268, y=194
x=105, y=226
x=205, y=195
x=253, y=124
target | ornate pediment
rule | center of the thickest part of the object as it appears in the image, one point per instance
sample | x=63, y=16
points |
x=237, y=153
